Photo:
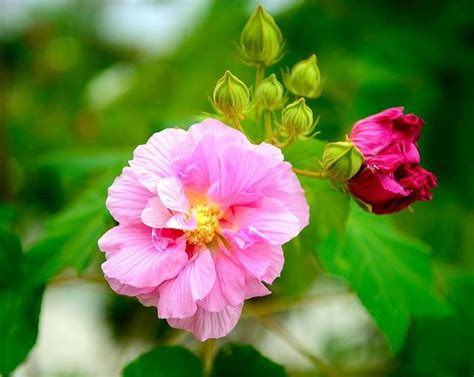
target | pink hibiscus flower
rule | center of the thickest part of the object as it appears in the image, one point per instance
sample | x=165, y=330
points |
x=202, y=217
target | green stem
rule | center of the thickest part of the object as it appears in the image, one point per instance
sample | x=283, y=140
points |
x=267, y=119
x=208, y=355
x=307, y=173
x=260, y=74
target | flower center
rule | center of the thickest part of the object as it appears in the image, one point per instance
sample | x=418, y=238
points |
x=207, y=226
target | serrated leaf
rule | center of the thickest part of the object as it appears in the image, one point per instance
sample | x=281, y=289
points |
x=389, y=271
x=165, y=361
x=70, y=237
x=235, y=360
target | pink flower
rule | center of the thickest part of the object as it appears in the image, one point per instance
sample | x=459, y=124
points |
x=391, y=177
x=202, y=217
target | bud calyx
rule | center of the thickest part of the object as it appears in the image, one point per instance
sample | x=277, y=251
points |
x=231, y=97
x=342, y=160
x=261, y=41
x=269, y=93
x=304, y=80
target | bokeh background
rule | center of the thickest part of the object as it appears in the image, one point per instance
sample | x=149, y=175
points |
x=83, y=82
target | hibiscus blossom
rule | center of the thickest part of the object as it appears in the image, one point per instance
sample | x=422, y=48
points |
x=391, y=177
x=202, y=215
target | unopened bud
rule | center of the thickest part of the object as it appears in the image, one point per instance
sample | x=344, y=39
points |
x=342, y=160
x=297, y=119
x=231, y=96
x=304, y=80
x=269, y=93
x=261, y=41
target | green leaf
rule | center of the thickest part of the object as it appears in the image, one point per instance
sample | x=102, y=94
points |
x=165, y=361
x=10, y=257
x=70, y=236
x=19, y=307
x=442, y=347
x=389, y=271
x=234, y=360
x=19, y=315
x=305, y=154
x=329, y=210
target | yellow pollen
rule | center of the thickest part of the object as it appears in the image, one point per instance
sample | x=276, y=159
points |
x=207, y=226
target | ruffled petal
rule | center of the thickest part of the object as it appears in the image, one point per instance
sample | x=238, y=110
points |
x=271, y=221
x=256, y=258
x=172, y=195
x=255, y=288
x=135, y=261
x=231, y=277
x=204, y=324
x=152, y=161
x=127, y=197
x=178, y=296
x=276, y=265
x=155, y=214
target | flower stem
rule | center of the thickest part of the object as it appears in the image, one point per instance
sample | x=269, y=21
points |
x=267, y=119
x=209, y=349
x=260, y=74
x=307, y=173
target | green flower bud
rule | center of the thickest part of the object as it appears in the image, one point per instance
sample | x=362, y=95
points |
x=297, y=119
x=231, y=96
x=261, y=41
x=342, y=160
x=304, y=80
x=269, y=93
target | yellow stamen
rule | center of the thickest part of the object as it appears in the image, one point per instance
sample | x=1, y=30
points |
x=207, y=226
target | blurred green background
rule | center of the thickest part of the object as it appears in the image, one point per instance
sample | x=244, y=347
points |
x=83, y=82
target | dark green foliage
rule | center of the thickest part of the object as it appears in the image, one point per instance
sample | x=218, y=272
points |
x=390, y=272
x=234, y=360
x=165, y=362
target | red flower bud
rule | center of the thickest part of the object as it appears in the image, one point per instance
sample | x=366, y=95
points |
x=391, y=177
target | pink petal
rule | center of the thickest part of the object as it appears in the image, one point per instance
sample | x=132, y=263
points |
x=172, y=195
x=136, y=262
x=178, y=296
x=275, y=267
x=216, y=128
x=155, y=214
x=127, y=197
x=255, y=288
x=152, y=161
x=255, y=258
x=231, y=277
x=243, y=171
x=229, y=286
x=149, y=299
x=182, y=221
x=215, y=301
x=271, y=221
x=204, y=324
x=127, y=290
x=203, y=167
